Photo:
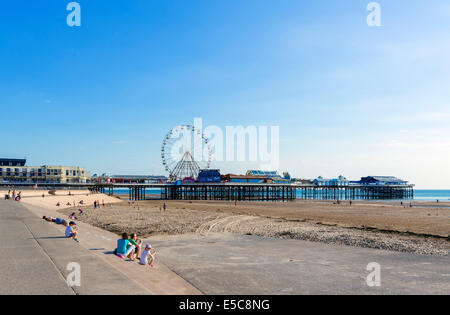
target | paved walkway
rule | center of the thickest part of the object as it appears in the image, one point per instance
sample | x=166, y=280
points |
x=250, y=265
x=34, y=258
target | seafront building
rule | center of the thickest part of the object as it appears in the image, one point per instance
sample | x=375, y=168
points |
x=340, y=181
x=129, y=179
x=15, y=171
x=382, y=180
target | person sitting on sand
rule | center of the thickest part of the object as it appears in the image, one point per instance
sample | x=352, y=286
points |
x=123, y=250
x=137, y=244
x=147, y=257
x=58, y=204
x=68, y=204
x=70, y=231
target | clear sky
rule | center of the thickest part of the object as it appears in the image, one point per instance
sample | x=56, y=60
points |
x=349, y=99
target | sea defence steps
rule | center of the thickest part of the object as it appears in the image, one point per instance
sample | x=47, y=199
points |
x=35, y=256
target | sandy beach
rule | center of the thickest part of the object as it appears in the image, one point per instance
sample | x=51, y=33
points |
x=422, y=229
x=47, y=200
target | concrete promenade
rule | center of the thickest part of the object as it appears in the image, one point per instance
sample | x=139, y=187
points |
x=34, y=257
x=250, y=265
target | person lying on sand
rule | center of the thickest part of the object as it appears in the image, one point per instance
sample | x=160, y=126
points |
x=72, y=216
x=71, y=232
x=147, y=257
x=124, y=248
x=58, y=221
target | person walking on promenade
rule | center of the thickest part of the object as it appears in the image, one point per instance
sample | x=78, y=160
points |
x=165, y=207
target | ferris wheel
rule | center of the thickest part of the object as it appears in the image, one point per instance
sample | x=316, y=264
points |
x=185, y=151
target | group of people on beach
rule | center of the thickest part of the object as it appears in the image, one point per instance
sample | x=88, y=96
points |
x=127, y=247
x=16, y=197
x=131, y=247
x=82, y=203
x=97, y=204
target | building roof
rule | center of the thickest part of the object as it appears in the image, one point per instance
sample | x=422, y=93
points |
x=12, y=162
x=262, y=173
x=138, y=177
x=321, y=179
x=384, y=178
x=4, y=160
x=246, y=176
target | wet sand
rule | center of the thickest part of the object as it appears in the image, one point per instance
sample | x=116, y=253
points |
x=422, y=229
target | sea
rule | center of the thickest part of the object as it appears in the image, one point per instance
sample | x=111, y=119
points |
x=419, y=194
x=432, y=194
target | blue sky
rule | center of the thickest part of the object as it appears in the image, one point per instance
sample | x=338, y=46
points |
x=349, y=99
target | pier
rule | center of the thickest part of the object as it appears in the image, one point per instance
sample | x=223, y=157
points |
x=263, y=192
x=240, y=192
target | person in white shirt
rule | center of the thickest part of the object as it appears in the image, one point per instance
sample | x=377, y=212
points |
x=147, y=257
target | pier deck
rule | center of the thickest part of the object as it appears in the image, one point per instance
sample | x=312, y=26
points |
x=242, y=191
